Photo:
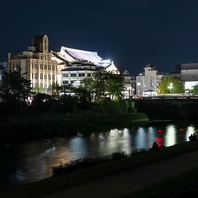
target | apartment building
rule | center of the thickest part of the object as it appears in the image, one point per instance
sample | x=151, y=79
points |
x=148, y=82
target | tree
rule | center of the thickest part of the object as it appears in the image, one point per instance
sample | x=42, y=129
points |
x=86, y=90
x=194, y=90
x=99, y=85
x=114, y=84
x=103, y=84
x=165, y=88
x=56, y=89
x=14, y=86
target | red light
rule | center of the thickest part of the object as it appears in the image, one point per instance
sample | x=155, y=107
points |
x=159, y=141
x=159, y=130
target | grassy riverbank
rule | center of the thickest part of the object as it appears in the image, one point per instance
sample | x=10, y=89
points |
x=54, y=184
x=15, y=129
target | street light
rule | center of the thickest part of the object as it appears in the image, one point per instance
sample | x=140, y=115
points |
x=170, y=87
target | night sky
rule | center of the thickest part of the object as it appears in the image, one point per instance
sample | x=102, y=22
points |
x=132, y=33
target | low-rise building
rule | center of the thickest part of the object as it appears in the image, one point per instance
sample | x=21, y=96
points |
x=187, y=73
x=148, y=82
x=129, y=85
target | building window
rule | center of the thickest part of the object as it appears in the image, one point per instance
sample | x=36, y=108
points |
x=81, y=74
x=65, y=82
x=35, y=66
x=73, y=74
x=41, y=76
x=49, y=67
x=45, y=76
x=45, y=67
x=49, y=76
x=33, y=76
x=89, y=74
x=65, y=74
x=41, y=66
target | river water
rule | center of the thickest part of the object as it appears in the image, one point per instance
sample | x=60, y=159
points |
x=25, y=162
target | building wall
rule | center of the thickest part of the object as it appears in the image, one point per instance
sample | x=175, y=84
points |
x=73, y=75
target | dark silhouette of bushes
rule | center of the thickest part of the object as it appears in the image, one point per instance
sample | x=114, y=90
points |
x=87, y=162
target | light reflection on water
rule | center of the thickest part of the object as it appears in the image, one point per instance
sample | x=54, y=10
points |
x=33, y=161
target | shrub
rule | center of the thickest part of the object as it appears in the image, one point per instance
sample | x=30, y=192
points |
x=87, y=162
x=118, y=155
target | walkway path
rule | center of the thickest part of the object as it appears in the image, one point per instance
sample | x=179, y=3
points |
x=123, y=184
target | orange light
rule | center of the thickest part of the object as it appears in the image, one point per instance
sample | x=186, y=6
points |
x=181, y=129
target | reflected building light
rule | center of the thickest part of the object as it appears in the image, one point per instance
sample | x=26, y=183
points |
x=126, y=133
x=140, y=139
x=93, y=135
x=170, y=137
x=151, y=136
x=50, y=150
x=20, y=175
x=181, y=130
x=118, y=140
x=126, y=146
x=190, y=130
x=78, y=146
x=159, y=141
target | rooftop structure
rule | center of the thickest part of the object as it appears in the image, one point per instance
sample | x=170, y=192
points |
x=71, y=56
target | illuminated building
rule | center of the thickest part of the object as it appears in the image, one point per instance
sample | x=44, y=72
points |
x=67, y=67
x=78, y=64
x=129, y=84
x=148, y=82
x=37, y=65
x=187, y=73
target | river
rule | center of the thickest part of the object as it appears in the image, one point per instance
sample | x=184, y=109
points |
x=25, y=162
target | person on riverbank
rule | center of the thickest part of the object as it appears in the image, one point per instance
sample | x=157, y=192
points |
x=155, y=147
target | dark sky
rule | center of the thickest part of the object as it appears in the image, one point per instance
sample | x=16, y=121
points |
x=132, y=33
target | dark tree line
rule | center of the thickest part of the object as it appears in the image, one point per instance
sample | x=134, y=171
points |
x=15, y=90
x=14, y=87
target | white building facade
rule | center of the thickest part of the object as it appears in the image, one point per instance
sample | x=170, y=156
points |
x=148, y=82
x=187, y=73
x=79, y=64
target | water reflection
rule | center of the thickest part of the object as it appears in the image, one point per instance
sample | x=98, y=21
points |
x=33, y=161
x=170, y=135
x=190, y=130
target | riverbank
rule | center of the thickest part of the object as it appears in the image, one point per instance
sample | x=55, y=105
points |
x=56, y=184
x=15, y=129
